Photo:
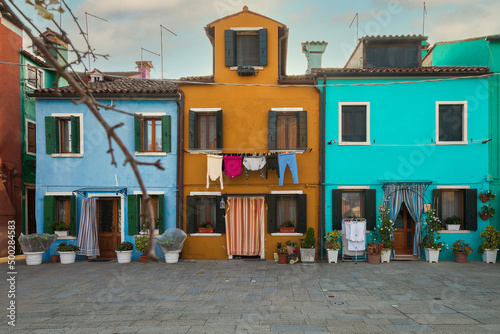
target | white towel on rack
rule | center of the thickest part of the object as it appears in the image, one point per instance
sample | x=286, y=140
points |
x=355, y=245
x=358, y=231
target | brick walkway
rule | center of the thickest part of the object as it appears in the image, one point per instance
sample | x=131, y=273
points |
x=255, y=297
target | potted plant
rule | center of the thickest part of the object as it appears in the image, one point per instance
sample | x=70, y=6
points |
x=384, y=234
x=141, y=244
x=34, y=245
x=287, y=227
x=461, y=250
x=373, y=249
x=486, y=196
x=246, y=70
x=206, y=227
x=171, y=243
x=453, y=223
x=294, y=257
x=291, y=246
x=332, y=245
x=67, y=252
x=157, y=226
x=124, y=252
x=61, y=229
x=307, y=250
x=282, y=254
x=489, y=246
x=431, y=244
x=486, y=212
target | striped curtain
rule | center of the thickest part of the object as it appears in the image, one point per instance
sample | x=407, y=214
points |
x=244, y=218
x=87, y=232
x=414, y=199
x=394, y=198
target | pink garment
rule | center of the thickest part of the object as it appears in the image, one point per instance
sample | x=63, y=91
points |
x=232, y=166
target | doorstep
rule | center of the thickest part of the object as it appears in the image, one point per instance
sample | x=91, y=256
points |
x=406, y=257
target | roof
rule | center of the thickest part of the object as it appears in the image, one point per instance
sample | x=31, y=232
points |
x=403, y=71
x=199, y=78
x=297, y=79
x=395, y=38
x=244, y=10
x=35, y=59
x=124, y=86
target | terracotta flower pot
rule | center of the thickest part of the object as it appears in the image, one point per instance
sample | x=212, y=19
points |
x=54, y=258
x=484, y=198
x=144, y=258
x=205, y=230
x=374, y=258
x=287, y=229
x=483, y=216
x=283, y=258
x=461, y=257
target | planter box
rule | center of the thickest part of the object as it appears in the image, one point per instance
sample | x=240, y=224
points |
x=490, y=255
x=385, y=256
x=283, y=258
x=453, y=227
x=287, y=229
x=333, y=255
x=432, y=255
x=374, y=258
x=62, y=233
x=461, y=257
x=307, y=254
x=67, y=257
x=172, y=257
x=33, y=258
x=124, y=256
x=245, y=72
x=205, y=230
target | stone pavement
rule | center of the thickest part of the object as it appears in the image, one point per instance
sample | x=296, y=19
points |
x=254, y=296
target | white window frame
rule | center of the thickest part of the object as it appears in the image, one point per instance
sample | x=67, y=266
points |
x=27, y=138
x=203, y=150
x=464, y=125
x=150, y=114
x=42, y=76
x=70, y=155
x=367, y=105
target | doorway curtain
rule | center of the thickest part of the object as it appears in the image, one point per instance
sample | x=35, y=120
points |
x=244, y=218
x=87, y=232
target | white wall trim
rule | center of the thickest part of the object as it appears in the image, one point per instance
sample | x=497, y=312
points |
x=453, y=187
x=205, y=193
x=367, y=104
x=59, y=193
x=353, y=187
x=205, y=109
x=205, y=235
x=152, y=192
x=287, y=109
x=287, y=192
x=246, y=28
x=151, y=114
x=151, y=154
x=464, y=118
x=67, y=155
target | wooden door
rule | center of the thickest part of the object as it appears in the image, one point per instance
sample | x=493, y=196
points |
x=404, y=230
x=31, y=211
x=108, y=226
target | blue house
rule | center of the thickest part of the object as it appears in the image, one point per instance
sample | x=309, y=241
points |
x=73, y=163
x=398, y=132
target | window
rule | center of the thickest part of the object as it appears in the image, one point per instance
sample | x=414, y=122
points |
x=56, y=208
x=205, y=129
x=392, y=56
x=35, y=77
x=282, y=208
x=354, y=123
x=245, y=47
x=152, y=134
x=287, y=130
x=451, y=202
x=63, y=134
x=451, y=122
x=202, y=209
x=357, y=203
x=136, y=214
x=30, y=137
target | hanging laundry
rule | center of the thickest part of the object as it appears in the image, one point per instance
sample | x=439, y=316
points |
x=272, y=163
x=214, y=169
x=232, y=166
x=254, y=164
x=289, y=159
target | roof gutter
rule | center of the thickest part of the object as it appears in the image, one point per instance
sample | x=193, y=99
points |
x=402, y=74
x=124, y=95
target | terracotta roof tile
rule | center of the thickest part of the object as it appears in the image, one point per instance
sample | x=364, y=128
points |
x=430, y=70
x=35, y=59
x=200, y=78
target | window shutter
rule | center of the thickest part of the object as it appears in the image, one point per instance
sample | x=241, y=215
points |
x=470, y=214
x=166, y=138
x=51, y=135
x=133, y=214
x=437, y=202
x=263, y=47
x=302, y=130
x=271, y=214
x=161, y=212
x=229, y=46
x=272, y=131
x=75, y=134
x=137, y=134
x=336, y=209
x=220, y=223
x=371, y=208
x=49, y=214
x=192, y=128
x=302, y=213
x=219, y=129
x=191, y=214
x=72, y=204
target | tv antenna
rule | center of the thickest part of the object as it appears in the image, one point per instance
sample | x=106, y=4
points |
x=161, y=42
x=356, y=17
x=423, y=20
x=143, y=49
x=87, y=29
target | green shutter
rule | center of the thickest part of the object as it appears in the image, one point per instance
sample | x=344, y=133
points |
x=133, y=214
x=72, y=215
x=137, y=134
x=75, y=134
x=166, y=138
x=262, y=47
x=470, y=214
x=371, y=208
x=192, y=128
x=220, y=224
x=49, y=213
x=161, y=212
x=272, y=132
x=302, y=130
x=51, y=135
x=437, y=203
x=191, y=214
x=219, y=129
x=302, y=213
x=230, y=47
x=271, y=214
x=336, y=209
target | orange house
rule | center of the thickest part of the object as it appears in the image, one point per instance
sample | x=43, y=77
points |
x=248, y=115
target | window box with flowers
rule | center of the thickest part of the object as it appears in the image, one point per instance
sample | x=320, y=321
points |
x=461, y=250
x=247, y=70
x=486, y=196
x=431, y=244
x=373, y=249
x=205, y=227
x=453, y=223
x=287, y=227
x=384, y=233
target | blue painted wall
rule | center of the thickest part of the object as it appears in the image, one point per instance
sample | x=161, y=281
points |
x=55, y=174
x=403, y=136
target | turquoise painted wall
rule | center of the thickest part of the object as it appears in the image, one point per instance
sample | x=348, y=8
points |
x=403, y=135
x=466, y=53
x=55, y=174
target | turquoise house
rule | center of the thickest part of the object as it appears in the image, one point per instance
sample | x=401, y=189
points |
x=73, y=165
x=409, y=135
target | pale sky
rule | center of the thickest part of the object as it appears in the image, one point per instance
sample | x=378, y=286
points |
x=133, y=24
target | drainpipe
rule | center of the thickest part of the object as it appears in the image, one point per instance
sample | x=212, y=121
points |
x=180, y=158
x=321, y=216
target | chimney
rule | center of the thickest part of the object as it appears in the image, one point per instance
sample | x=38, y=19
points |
x=313, y=51
x=144, y=67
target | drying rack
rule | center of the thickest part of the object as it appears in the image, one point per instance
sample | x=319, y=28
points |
x=348, y=255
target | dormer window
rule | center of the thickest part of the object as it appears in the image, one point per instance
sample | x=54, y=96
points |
x=392, y=56
x=245, y=47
